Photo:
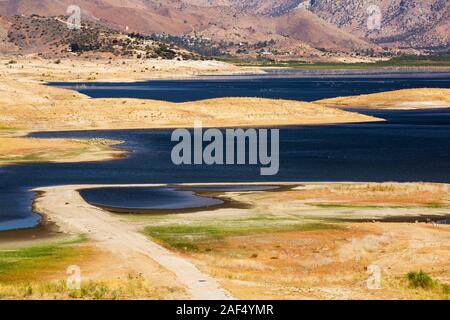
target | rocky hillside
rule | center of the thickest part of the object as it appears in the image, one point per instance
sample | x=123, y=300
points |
x=51, y=37
x=273, y=29
x=229, y=28
x=423, y=24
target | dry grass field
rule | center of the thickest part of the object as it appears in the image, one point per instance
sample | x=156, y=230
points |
x=302, y=243
x=401, y=99
x=23, y=150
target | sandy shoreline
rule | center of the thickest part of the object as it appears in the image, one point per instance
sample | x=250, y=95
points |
x=68, y=227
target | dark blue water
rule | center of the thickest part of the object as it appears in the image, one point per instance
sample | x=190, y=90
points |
x=159, y=198
x=146, y=198
x=297, y=85
x=410, y=146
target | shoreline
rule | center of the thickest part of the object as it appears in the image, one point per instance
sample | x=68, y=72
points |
x=228, y=202
x=47, y=226
x=263, y=72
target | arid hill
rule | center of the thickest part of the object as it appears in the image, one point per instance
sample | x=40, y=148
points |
x=50, y=37
x=320, y=30
x=404, y=23
x=234, y=31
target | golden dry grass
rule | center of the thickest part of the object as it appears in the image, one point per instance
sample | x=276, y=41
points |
x=401, y=99
x=116, y=70
x=40, y=272
x=27, y=103
x=384, y=194
x=328, y=264
x=285, y=247
x=22, y=150
x=34, y=106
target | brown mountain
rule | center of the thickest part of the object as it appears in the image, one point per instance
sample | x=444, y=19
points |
x=272, y=28
x=405, y=23
x=143, y=16
x=235, y=29
x=50, y=37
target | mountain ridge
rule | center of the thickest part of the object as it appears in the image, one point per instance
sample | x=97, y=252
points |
x=272, y=29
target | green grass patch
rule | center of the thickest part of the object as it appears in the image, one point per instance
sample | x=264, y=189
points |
x=421, y=280
x=347, y=206
x=370, y=207
x=28, y=263
x=436, y=206
x=37, y=157
x=402, y=61
x=190, y=237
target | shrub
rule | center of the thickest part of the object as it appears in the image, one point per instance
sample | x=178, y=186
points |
x=420, y=280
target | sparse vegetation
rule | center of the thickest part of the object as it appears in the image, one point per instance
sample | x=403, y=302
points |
x=191, y=237
x=401, y=61
x=422, y=280
x=51, y=38
x=26, y=264
x=23, y=150
x=37, y=272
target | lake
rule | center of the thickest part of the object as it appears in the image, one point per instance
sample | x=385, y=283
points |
x=292, y=85
x=410, y=146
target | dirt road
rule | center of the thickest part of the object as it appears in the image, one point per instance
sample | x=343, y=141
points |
x=66, y=207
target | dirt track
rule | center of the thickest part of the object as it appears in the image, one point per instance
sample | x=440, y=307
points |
x=67, y=208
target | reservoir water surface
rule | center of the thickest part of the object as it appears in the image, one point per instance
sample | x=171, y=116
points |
x=410, y=146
